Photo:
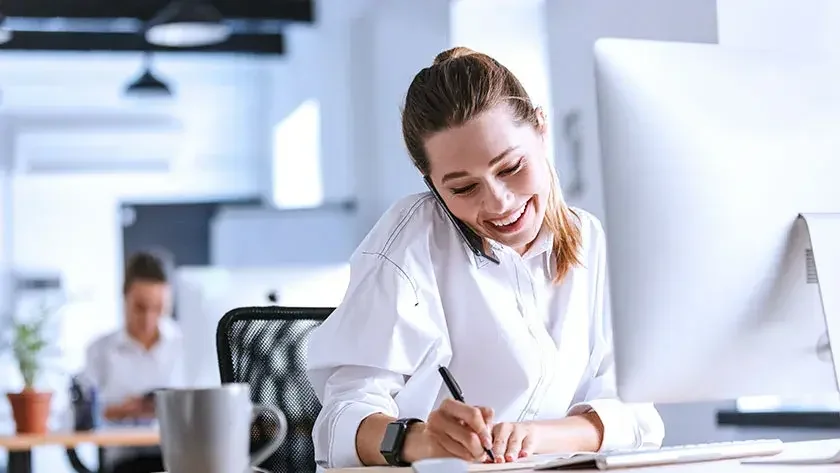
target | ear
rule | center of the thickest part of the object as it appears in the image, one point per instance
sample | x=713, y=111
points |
x=542, y=121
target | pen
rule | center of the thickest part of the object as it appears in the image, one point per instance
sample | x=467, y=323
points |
x=456, y=392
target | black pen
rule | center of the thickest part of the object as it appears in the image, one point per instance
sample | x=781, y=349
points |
x=456, y=392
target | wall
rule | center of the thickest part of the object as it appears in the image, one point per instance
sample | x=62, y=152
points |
x=6, y=150
x=573, y=27
x=264, y=238
x=805, y=25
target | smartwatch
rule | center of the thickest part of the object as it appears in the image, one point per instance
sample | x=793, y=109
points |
x=393, y=440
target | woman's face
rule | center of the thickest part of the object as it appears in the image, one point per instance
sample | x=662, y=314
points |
x=145, y=304
x=492, y=174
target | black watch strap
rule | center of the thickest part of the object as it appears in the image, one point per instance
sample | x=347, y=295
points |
x=394, y=440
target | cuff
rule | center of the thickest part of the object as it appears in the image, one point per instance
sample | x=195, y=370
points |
x=619, y=423
x=342, y=448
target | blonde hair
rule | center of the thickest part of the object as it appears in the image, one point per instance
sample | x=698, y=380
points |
x=461, y=84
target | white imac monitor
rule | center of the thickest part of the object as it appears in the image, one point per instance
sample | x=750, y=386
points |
x=204, y=294
x=709, y=157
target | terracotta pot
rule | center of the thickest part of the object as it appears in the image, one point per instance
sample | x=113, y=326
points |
x=31, y=410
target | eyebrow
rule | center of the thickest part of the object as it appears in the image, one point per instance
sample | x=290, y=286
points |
x=458, y=174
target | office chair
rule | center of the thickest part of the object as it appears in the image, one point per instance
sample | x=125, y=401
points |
x=266, y=348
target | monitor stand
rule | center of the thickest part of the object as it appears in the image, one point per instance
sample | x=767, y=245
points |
x=823, y=231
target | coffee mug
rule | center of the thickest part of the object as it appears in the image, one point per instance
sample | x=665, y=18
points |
x=209, y=430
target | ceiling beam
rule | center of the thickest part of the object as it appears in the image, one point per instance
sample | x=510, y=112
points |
x=144, y=10
x=40, y=41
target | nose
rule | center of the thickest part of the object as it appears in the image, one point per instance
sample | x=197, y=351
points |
x=498, y=197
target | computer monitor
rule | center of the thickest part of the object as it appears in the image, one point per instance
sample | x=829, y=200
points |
x=203, y=294
x=709, y=156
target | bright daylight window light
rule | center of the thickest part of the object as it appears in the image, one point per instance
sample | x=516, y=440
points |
x=296, y=163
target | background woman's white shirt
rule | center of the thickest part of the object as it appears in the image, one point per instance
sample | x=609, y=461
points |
x=120, y=367
x=418, y=298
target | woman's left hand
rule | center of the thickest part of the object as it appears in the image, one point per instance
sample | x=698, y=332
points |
x=512, y=441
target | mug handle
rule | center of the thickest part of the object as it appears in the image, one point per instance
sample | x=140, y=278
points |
x=279, y=435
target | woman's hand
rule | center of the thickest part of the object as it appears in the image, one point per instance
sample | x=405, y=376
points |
x=512, y=441
x=131, y=407
x=459, y=430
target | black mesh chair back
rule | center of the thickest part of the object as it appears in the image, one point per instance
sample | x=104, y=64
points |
x=266, y=348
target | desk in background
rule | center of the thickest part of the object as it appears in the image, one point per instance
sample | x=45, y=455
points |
x=788, y=425
x=780, y=418
x=20, y=446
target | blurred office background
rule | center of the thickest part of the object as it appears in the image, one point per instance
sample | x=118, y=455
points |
x=276, y=150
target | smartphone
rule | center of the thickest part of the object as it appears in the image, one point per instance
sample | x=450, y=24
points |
x=475, y=242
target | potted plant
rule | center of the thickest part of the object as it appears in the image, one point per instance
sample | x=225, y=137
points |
x=30, y=345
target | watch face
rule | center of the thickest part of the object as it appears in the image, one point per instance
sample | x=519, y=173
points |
x=392, y=433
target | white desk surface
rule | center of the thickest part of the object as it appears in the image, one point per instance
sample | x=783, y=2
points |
x=727, y=466
x=823, y=447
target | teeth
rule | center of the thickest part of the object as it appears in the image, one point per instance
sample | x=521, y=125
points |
x=511, y=218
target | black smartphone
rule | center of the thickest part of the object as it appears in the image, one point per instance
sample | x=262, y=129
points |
x=475, y=242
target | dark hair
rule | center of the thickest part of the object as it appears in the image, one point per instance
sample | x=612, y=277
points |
x=460, y=85
x=144, y=266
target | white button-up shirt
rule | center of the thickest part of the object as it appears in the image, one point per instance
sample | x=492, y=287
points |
x=514, y=341
x=120, y=367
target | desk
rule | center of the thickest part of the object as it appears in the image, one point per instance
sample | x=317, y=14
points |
x=809, y=449
x=727, y=466
x=20, y=446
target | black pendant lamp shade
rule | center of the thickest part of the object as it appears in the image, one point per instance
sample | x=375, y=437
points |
x=147, y=85
x=187, y=24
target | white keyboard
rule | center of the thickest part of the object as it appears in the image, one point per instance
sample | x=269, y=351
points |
x=665, y=455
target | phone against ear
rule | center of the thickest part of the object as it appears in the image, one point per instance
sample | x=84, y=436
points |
x=474, y=241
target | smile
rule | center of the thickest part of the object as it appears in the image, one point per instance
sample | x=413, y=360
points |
x=510, y=219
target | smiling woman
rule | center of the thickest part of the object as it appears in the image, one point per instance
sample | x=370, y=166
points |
x=420, y=297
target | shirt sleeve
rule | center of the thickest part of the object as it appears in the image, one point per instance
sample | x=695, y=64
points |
x=93, y=370
x=387, y=335
x=626, y=426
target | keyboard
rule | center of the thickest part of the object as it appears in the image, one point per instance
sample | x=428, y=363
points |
x=665, y=455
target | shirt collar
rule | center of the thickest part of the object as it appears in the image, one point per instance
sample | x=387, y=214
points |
x=542, y=247
x=166, y=327
x=542, y=244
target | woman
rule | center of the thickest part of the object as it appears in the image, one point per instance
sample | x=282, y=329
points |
x=527, y=339
x=146, y=354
